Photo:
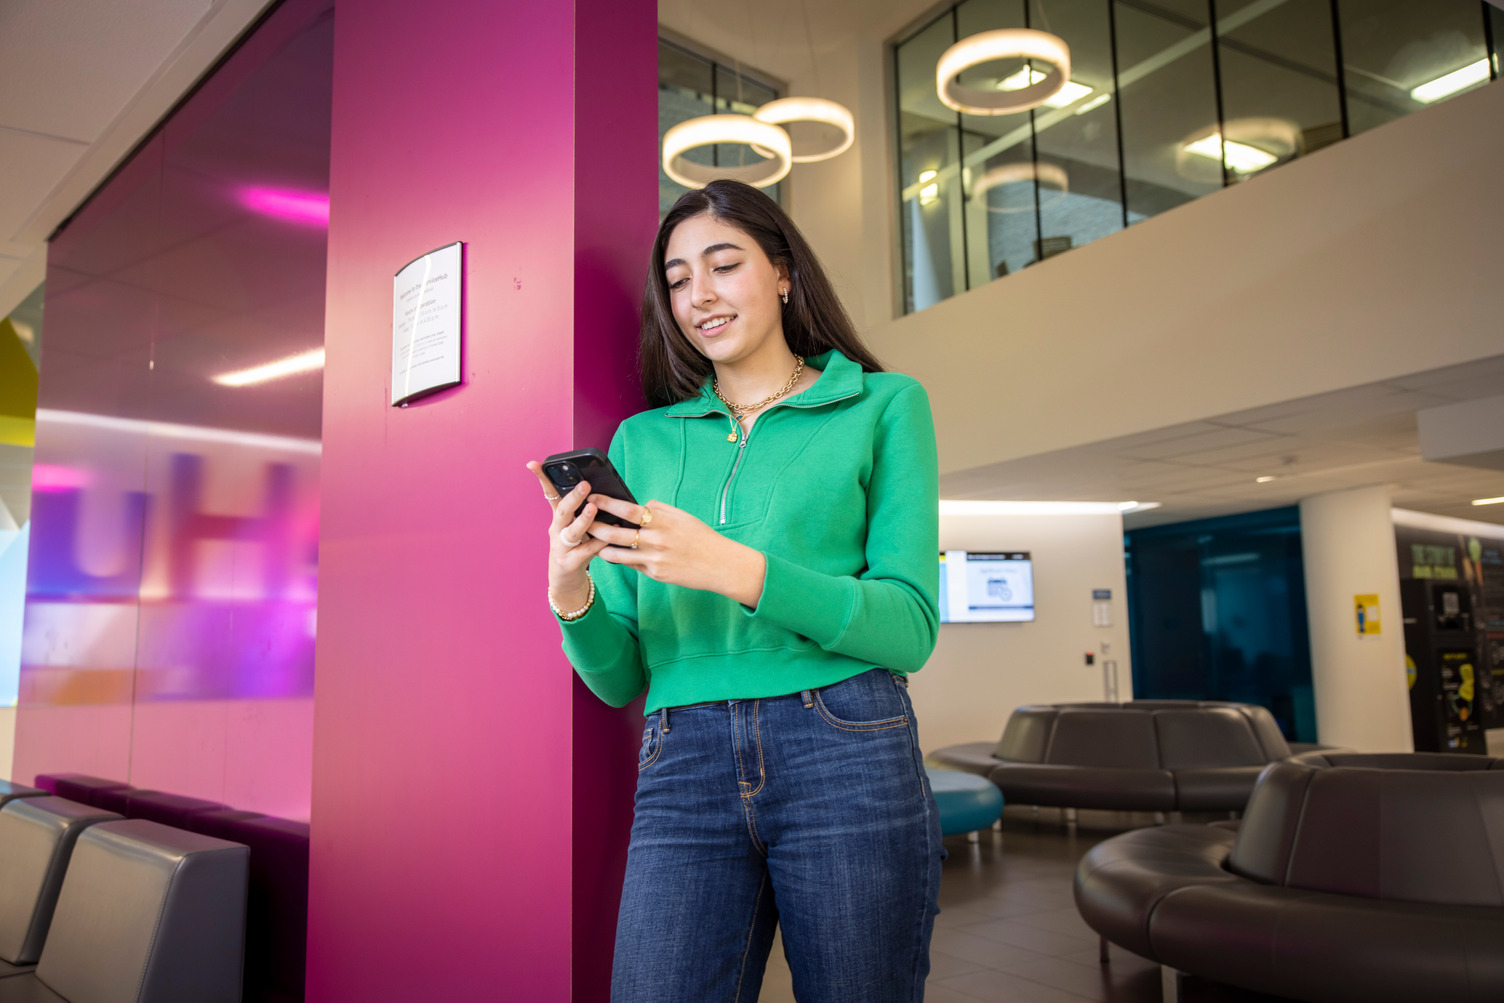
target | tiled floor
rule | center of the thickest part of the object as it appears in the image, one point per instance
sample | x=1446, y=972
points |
x=1008, y=928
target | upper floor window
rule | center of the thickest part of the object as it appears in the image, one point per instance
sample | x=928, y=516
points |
x=1169, y=100
x=691, y=85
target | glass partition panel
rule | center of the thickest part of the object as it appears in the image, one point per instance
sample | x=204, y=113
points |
x=998, y=179
x=686, y=90
x=1280, y=97
x=930, y=207
x=1400, y=56
x=1080, y=184
x=691, y=85
x=1495, y=26
x=1168, y=110
x=738, y=94
x=1168, y=100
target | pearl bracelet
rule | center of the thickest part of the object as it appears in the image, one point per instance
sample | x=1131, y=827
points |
x=589, y=601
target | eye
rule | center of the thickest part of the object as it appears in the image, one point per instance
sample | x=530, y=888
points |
x=675, y=285
x=727, y=268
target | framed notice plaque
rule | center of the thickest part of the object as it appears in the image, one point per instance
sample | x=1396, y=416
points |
x=426, y=324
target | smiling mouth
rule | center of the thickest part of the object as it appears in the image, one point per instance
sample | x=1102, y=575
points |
x=714, y=325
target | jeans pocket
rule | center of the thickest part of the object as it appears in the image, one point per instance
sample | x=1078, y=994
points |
x=866, y=702
x=652, y=745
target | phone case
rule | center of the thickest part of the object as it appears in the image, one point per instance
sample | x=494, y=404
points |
x=594, y=466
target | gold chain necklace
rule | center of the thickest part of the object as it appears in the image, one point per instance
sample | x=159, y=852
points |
x=740, y=411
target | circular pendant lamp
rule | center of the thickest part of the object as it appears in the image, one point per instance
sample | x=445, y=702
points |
x=800, y=109
x=1007, y=174
x=770, y=141
x=1004, y=43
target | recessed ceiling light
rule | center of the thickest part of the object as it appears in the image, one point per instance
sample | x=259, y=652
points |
x=290, y=366
x=969, y=506
x=1240, y=157
x=1489, y=501
x=1069, y=93
x=1263, y=480
x=299, y=207
x=1435, y=90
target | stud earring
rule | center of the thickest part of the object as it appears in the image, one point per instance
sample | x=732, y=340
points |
x=785, y=297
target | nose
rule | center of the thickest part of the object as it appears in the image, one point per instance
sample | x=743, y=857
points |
x=700, y=290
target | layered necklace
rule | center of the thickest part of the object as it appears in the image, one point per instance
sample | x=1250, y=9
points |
x=741, y=411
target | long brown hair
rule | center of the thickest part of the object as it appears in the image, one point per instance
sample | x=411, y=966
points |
x=814, y=320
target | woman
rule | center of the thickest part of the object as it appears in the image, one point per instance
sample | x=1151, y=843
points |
x=780, y=589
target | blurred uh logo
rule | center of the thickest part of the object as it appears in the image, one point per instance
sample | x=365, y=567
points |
x=170, y=562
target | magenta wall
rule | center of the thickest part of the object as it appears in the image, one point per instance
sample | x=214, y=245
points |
x=173, y=571
x=470, y=800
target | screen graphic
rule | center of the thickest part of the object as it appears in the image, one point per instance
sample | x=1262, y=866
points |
x=986, y=587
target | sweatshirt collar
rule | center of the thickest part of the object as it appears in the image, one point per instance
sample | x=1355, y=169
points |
x=839, y=378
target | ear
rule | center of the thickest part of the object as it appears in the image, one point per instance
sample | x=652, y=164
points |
x=782, y=269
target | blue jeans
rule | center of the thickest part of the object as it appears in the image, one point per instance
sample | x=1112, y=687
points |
x=811, y=812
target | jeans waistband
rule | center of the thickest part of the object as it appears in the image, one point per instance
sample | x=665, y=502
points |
x=804, y=695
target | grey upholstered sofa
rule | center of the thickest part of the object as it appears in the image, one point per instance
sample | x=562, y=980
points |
x=1373, y=878
x=1145, y=755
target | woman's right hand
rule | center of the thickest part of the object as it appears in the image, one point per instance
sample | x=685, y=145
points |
x=570, y=545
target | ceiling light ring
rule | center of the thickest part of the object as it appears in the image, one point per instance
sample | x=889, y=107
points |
x=782, y=111
x=1002, y=43
x=771, y=142
x=1007, y=174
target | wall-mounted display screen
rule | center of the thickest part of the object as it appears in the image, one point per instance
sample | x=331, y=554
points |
x=993, y=587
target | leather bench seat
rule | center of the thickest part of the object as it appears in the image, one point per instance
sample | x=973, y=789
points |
x=1376, y=878
x=37, y=838
x=168, y=809
x=1150, y=755
x=147, y=914
x=276, y=936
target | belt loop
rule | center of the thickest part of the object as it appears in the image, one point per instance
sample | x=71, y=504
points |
x=665, y=720
x=808, y=698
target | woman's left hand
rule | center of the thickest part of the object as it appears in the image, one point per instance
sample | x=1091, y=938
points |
x=676, y=548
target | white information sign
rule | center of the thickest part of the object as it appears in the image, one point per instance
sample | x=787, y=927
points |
x=426, y=325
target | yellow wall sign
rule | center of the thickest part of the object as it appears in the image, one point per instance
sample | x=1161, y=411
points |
x=1367, y=608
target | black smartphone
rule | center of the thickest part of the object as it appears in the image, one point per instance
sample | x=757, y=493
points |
x=565, y=470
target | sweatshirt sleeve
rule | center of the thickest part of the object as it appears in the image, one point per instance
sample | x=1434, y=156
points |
x=888, y=615
x=602, y=645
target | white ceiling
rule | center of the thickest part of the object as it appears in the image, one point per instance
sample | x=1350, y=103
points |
x=80, y=84
x=1361, y=436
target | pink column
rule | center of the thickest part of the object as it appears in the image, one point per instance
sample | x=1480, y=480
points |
x=470, y=799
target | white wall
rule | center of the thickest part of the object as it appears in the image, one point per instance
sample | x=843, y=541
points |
x=981, y=671
x=1362, y=696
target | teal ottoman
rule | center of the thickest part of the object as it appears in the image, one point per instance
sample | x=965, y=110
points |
x=967, y=802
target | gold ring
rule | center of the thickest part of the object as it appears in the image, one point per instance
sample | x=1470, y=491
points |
x=635, y=537
x=647, y=516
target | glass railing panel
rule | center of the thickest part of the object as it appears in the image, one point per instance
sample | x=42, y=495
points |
x=1401, y=57
x=1169, y=98
x=1281, y=97
x=930, y=215
x=1080, y=184
x=1001, y=215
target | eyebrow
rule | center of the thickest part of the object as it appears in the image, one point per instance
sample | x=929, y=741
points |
x=723, y=246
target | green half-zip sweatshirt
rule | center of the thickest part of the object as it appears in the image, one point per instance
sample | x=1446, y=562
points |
x=838, y=486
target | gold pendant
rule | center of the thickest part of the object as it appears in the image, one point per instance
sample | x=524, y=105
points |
x=731, y=437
